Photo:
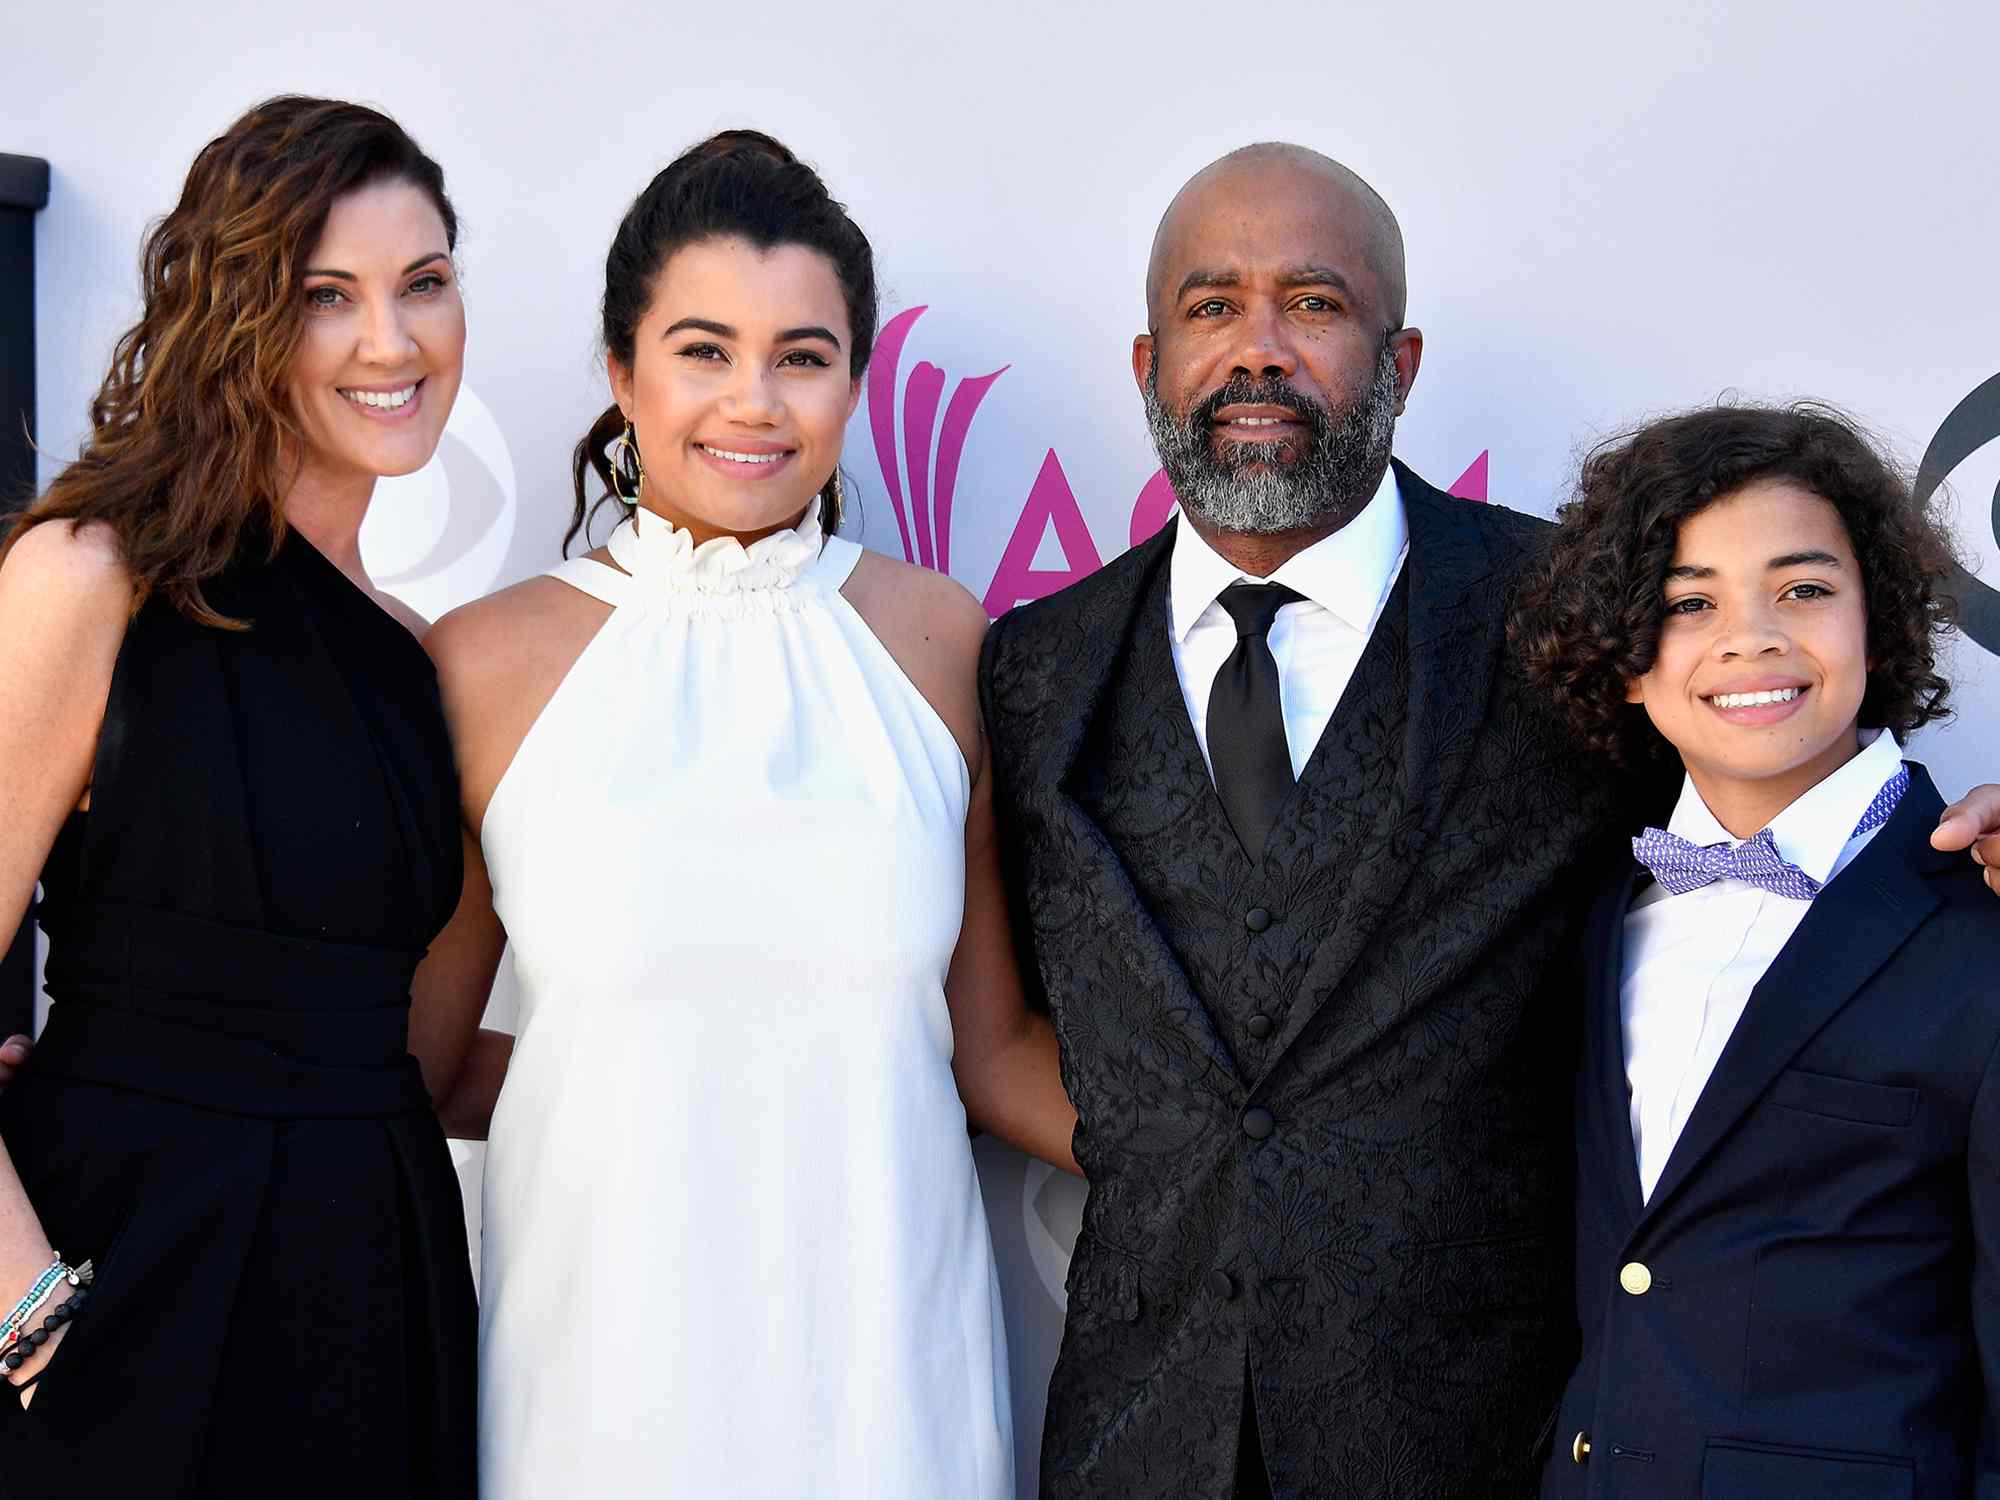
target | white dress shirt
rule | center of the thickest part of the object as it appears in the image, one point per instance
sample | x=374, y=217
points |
x=1691, y=960
x=1345, y=578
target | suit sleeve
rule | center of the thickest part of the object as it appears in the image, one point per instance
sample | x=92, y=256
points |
x=1007, y=818
x=1983, y=1184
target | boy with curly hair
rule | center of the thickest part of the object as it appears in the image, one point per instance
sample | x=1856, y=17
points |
x=1788, y=1107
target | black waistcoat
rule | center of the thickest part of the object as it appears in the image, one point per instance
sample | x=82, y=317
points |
x=1244, y=931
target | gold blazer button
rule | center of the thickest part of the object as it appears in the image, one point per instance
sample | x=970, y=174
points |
x=1635, y=1278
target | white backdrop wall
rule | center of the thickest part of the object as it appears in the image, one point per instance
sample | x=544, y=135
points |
x=1609, y=212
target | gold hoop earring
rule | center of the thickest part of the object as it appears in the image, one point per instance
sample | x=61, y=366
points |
x=627, y=446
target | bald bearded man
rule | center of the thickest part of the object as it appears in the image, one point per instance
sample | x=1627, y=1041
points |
x=1296, y=862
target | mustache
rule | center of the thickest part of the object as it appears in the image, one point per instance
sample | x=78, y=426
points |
x=1243, y=390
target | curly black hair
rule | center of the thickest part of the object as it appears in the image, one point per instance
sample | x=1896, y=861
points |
x=1586, y=619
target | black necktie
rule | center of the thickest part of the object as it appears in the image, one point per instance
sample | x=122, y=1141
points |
x=1246, y=725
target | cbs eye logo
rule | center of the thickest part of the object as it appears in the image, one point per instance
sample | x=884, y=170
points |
x=440, y=536
x=1973, y=423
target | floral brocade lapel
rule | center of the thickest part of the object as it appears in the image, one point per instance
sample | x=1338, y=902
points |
x=1163, y=874
x=1105, y=773
x=1451, y=648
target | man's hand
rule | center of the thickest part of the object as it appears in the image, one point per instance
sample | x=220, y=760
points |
x=1972, y=822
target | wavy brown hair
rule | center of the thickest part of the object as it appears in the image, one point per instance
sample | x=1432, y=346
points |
x=1586, y=620
x=193, y=444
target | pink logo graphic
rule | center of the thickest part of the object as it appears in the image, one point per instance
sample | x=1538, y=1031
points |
x=923, y=506
x=1471, y=485
x=1051, y=502
x=926, y=519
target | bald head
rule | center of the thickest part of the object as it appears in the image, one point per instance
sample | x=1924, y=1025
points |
x=1343, y=213
x=1275, y=359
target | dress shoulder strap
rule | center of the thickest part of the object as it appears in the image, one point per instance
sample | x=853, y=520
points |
x=599, y=580
x=836, y=561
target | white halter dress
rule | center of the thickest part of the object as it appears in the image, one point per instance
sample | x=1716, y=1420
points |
x=734, y=1244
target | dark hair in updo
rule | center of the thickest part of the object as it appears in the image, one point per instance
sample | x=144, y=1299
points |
x=737, y=184
x=1587, y=618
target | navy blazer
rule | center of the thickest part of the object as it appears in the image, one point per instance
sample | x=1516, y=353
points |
x=1808, y=1305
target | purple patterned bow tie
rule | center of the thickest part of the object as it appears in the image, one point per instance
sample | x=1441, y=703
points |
x=1680, y=866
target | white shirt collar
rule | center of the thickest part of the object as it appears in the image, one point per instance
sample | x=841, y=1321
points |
x=1348, y=573
x=1815, y=828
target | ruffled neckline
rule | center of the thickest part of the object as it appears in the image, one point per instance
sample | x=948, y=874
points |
x=664, y=556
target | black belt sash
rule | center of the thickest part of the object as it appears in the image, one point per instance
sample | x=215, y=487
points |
x=231, y=1019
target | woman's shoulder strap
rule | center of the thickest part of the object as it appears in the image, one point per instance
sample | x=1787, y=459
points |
x=601, y=581
x=836, y=561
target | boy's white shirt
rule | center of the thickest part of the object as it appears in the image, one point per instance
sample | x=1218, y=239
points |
x=1691, y=961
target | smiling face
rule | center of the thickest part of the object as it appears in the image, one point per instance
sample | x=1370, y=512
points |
x=379, y=361
x=1277, y=361
x=739, y=389
x=1763, y=654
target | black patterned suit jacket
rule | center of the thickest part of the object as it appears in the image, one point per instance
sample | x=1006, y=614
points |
x=1323, y=1096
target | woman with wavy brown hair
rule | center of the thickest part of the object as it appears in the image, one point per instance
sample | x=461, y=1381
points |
x=232, y=1255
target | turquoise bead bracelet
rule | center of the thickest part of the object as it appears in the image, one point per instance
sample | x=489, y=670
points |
x=57, y=1273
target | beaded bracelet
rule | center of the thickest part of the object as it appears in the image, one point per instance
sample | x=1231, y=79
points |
x=12, y=1330
x=58, y=1315
x=37, y=1294
x=24, y=1312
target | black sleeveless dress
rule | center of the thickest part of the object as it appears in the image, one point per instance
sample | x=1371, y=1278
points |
x=222, y=1112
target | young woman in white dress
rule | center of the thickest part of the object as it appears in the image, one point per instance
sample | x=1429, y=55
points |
x=725, y=788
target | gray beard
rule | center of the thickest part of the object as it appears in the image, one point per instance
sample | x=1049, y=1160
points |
x=1254, y=487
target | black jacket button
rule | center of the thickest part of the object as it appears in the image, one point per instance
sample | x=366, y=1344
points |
x=1260, y=1027
x=1257, y=1122
x=1256, y=919
x=1220, y=1284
